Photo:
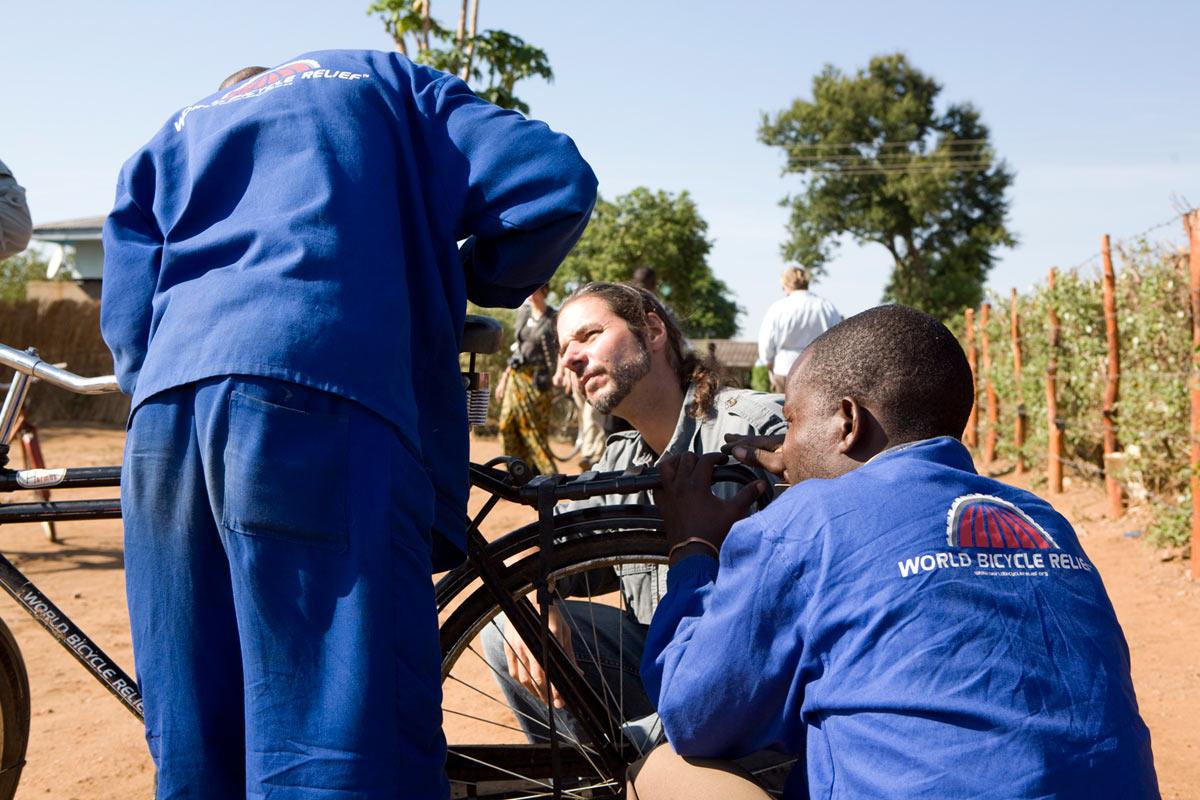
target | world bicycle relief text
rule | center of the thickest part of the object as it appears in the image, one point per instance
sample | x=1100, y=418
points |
x=988, y=563
x=82, y=648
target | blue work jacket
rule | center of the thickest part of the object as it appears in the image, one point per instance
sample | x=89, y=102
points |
x=302, y=226
x=914, y=630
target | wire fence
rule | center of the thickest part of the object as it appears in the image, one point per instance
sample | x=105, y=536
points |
x=1096, y=374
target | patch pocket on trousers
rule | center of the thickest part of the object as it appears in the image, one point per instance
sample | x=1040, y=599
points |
x=285, y=473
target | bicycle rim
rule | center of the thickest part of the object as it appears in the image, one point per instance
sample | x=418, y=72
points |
x=565, y=439
x=490, y=756
x=14, y=713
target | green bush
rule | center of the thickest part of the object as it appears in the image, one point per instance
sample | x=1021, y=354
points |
x=760, y=378
x=1153, y=409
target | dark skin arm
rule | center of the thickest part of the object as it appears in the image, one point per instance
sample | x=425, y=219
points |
x=690, y=509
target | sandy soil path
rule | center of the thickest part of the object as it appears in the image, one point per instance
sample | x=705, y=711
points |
x=85, y=746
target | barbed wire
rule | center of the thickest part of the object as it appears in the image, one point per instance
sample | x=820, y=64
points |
x=1005, y=341
x=1104, y=376
x=1096, y=429
x=1130, y=490
x=1118, y=242
x=1096, y=372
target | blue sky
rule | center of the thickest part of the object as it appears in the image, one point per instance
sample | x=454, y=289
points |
x=1094, y=105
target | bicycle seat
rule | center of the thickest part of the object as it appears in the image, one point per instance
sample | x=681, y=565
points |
x=481, y=335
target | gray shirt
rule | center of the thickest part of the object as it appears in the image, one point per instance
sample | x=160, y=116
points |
x=737, y=411
x=15, y=225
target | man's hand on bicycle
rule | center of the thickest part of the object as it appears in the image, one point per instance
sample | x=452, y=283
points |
x=764, y=452
x=526, y=670
x=690, y=510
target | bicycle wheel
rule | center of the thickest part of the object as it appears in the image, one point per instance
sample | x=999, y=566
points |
x=14, y=713
x=490, y=755
x=565, y=438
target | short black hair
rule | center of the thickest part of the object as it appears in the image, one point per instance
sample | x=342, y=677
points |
x=241, y=75
x=903, y=364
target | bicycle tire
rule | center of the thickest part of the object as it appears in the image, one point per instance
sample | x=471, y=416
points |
x=599, y=537
x=566, y=437
x=14, y=713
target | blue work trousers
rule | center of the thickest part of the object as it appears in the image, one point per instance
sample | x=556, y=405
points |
x=277, y=555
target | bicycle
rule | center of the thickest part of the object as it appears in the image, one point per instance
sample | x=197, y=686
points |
x=600, y=544
x=23, y=431
x=566, y=433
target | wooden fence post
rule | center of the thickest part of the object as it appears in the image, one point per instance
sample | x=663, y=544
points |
x=1019, y=427
x=1116, y=505
x=1191, y=222
x=993, y=410
x=971, y=434
x=1054, y=477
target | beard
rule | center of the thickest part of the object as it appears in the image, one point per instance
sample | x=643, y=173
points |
x=622, y=378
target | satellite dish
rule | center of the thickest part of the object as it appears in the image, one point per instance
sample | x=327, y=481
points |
x=57, y=256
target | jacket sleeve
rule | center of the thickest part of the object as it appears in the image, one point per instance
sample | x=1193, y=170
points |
x=524, y=191
x=132, y=257
x=723, y=653
x=15, y=224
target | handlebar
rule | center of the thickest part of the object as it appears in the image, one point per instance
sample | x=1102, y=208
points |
x=518, y=485
x=33, y=366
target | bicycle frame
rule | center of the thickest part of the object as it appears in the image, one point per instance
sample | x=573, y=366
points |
x=12, y=580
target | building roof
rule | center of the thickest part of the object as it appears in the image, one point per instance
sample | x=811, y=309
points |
x=738, y=355
x=71, y=230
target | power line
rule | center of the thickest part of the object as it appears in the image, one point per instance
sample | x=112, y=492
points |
x=866, y=169
x=898, y=158
x=891, y=160
x=852, y=151
x=887, y=145
x=899, y=155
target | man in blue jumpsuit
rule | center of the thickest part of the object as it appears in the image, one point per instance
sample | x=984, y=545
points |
x=913, y=628
x=284, y=299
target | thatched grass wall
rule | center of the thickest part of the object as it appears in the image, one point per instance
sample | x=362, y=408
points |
x=69, y=331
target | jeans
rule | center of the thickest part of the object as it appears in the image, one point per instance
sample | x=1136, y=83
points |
x=608, y=645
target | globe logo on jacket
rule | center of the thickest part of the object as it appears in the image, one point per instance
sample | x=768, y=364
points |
x=988, y=537
x=272, y=76
x=981, y=520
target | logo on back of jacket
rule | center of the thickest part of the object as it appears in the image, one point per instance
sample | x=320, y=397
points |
x=282, y=76
x=987, y=536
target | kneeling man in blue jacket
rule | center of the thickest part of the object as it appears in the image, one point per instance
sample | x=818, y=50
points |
x=904, y=625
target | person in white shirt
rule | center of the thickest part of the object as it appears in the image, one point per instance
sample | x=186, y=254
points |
x=791, y=323
x=15, y=226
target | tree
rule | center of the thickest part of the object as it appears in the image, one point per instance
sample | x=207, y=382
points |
x=664, y=232
x=880, y=164
x=18, y=270
x=507, y=58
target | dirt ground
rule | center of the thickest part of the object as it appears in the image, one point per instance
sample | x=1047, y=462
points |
x=85, y=746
